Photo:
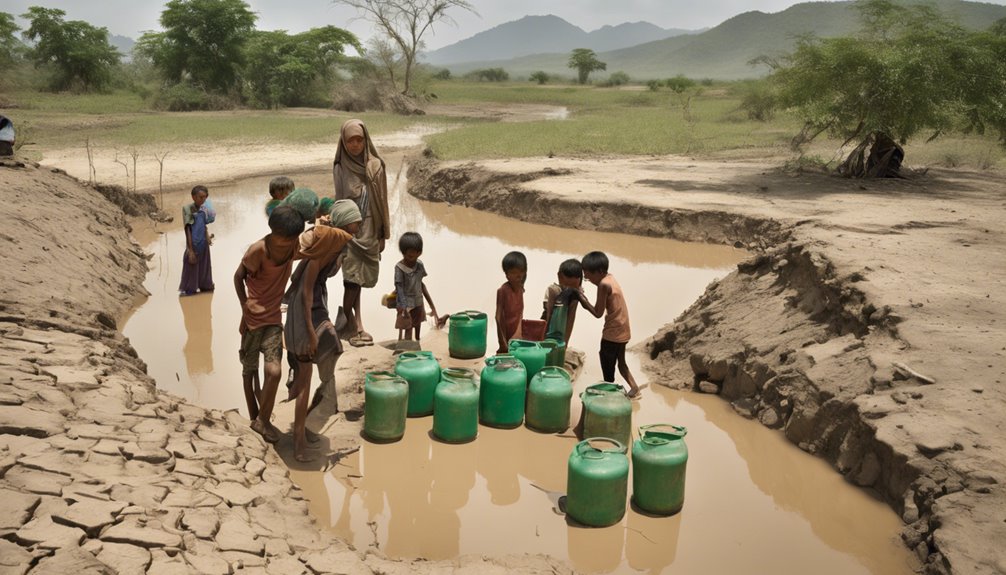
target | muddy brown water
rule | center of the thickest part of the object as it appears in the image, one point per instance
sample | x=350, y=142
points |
x=754, y=502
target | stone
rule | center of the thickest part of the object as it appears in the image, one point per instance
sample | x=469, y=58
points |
x=14, y=559
x=239, y=560
x=230, y=441
x=90, y=515
x=35, y=481
x=236, y=535
x=191, y=467
x=73, y=560
x=149, y=454
x=202, y=522
x=20, y=420
x=233, y=493
x=709, y=387
x=16, y=508
x=131, y=532
x=42, y=531
x=869, y=471
x=255, y=466
x=125, y=559
x=769, y=418
x=286, y=566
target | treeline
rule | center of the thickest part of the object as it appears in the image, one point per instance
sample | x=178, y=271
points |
x=207, y=55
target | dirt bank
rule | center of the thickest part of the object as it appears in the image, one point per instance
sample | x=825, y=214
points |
x=868, y=326
x=102, y=473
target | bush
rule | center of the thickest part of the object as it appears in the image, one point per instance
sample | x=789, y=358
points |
x=185, y=97
x=443, y=74
x=489, y=75
x=540, y=76
x=758, y=100
x=654, y=85
x=618, y=79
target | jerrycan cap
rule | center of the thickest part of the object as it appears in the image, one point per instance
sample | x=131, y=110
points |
x=650, y=435
x=504, y=361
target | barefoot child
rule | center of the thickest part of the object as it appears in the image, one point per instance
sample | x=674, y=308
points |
x=260, y=281
x=309, y=332
x=610, y=304
x=197, y=273
x=411, y=288
x=510, y=300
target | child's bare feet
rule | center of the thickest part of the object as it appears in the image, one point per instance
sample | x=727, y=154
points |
x=311, y=436
x=301, y=454
x=632, y=393
x=268, y=431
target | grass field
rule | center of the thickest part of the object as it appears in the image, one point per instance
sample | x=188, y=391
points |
x=616, y=121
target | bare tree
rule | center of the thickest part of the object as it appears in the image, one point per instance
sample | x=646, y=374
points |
x=92, y=174
x=405, y=22
x=384, y=54
x=124, y=165
x=134, y=154
x=160, y=176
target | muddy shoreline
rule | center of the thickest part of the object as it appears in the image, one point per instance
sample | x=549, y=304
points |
x=826, y=333
x=100, y=470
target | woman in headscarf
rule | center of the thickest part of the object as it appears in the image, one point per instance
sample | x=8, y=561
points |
x=309, y=332
x=360, y=176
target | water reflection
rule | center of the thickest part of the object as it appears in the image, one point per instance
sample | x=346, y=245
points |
x=198, y=349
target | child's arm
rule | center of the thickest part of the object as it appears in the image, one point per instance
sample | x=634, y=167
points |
x=426, y=294
x=500, y=327
x=190, y=252
x=597, y=310
x=400, y=292
x=239, y=287
x=310, y=276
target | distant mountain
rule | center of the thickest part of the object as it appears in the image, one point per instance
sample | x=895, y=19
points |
x=543, y=34
x=723, y=52
x=123, y=44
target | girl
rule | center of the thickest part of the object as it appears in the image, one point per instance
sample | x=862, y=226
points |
x=360, y=176
x=197, y=273
x=309, y=332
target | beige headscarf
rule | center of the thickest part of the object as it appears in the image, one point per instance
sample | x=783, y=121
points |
x=352, y=173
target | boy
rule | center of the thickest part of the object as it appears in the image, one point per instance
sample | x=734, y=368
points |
x=260, y=281
x=561, y=301
x=410, y=288
x=279, y=188
x=611, y=304
x=510, y=300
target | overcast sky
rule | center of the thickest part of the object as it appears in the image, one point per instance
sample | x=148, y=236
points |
x=132, y=17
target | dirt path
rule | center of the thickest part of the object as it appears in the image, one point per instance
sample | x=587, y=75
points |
x=869, y=326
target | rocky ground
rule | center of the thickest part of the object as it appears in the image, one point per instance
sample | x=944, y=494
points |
x=99, y=471
x=868, y=326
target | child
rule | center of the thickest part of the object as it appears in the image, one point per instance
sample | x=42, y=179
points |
x=410, y=287
x=263, y=272
x=561, y=301
x=279, y=188
x=309, y=332
x=510, y=300
x=611, y=304
x=197, y=273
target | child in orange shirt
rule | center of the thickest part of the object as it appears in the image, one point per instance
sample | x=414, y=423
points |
x=510, y=300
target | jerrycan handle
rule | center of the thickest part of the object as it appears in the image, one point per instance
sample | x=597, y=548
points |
x=587, y=451
x=383, y=376
x=415, y=356
x=503, y=361
x=459, y=373
x=553, y=371
x=656, y=437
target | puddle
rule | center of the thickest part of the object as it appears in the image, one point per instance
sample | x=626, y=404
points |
x=754, y=502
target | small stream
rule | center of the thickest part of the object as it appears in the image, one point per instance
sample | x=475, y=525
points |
x=754, y=503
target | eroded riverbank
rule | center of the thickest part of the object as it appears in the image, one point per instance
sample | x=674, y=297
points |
x=856, y=287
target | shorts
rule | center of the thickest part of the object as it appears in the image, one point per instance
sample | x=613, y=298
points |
x=267, y=340
x=417, y=315
x=611, y=353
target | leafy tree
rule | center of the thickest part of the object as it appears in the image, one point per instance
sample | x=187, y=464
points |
x=540, y=76
x=385, y=55
x=654, y=85
x=442, y=74
x=489, y=75
x=679, y=83
x=405, y=22
x=9, y=45
x=79, y=52
x=909, y=71
x=203, y=40
x=585, y=61
x=281, y=68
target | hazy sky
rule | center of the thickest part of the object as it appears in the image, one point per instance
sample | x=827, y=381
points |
x=132, y=17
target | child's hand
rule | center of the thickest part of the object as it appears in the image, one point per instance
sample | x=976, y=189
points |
x=312, y=344
x=243, y=326
x=190, y=254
